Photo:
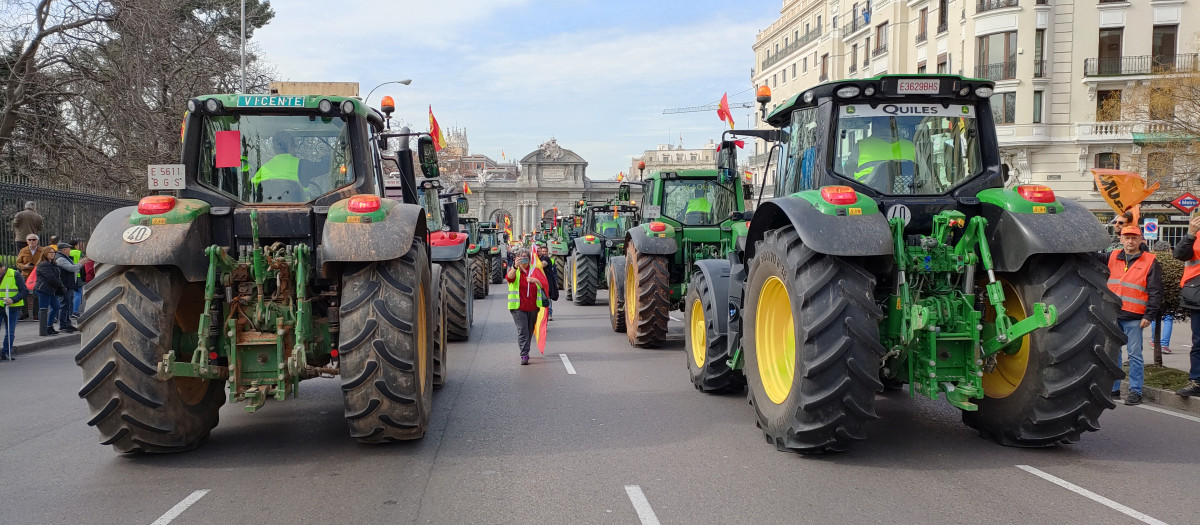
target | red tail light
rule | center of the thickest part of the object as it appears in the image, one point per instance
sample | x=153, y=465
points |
x=212, y=356
x=1036, y=193
x=840, y=195
x=156, y=204
x=333, y=353
x=657, y=226
x=472, y=246
x=589, y=238
x=363, y=204
x=452, y=236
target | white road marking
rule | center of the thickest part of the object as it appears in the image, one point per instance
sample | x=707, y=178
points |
x=1171, y=413
x=641, y=505
x=673, y=318
x=180, y=507
x=567, y=363
x=1092, y=496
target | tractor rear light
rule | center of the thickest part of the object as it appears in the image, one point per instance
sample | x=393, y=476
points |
x=452, y=236
x=212, y=356
x=839, y=195
x=1036, y=193
x=657, y=226
x=333, y=353
x=471, y=246
x=589, y=238
x=363, y=204
x=156, y=204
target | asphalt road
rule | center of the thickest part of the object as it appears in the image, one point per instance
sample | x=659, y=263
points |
x=625, y=439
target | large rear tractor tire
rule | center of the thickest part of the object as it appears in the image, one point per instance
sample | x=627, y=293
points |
x=812, y=345
x=560, y=264
x=615, y=276
x=127, y=328
x=647, y=303
x=707, y=356
x=479, y=275
x=459, y=300
x=496, y=267
x=584, y=279
x=438, y=285
x=1057, y=385
x=386, y=342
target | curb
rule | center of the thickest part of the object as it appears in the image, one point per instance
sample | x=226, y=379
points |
x=1168, y=399
x=43, y=343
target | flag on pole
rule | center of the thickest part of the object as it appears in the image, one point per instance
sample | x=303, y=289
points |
x=723, y=110
x=749, y=176
x=508, y=227
x=539, y=275
x=435, y=131
x=466, y=188
x=502, y=154
x=1123, y=190
x=620, y=176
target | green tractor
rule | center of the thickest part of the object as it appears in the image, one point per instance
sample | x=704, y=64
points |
x=601, y=238
x=895, y=255
x=495, y=250
x=478, y=254
x=687, y=216
x=269, y=257
x=448, y=247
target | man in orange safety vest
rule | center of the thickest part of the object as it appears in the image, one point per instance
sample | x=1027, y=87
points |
x=1136, y=277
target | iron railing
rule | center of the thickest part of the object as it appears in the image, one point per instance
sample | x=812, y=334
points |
x=1043, y=2
x=853, y=67
x=824, y=77
x=856, y=23
x=998, y=71
x=65, y=213
x=943, y=27
x=1139, y=65
x=1039, y=69
x=791, y=48
x=922, y=36
x=879, y=50
x=988, y=5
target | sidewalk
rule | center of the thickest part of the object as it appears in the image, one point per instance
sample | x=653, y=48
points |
x=28, y=340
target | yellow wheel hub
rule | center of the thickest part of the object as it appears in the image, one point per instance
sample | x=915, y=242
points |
x=613, y=296
x=699, y=334
x=1010, y=368
x=631, y=294
x=574, y=277
x=775, y=340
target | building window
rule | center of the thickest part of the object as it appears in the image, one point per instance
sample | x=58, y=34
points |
x=943, y=23
x=804, y=65
x=694, y=158
x=1037, y=107
x=796, y=33
x=997, y=59
x=777, y=48
x=793, y=70
x=824, y=67
x=880, y=38
x=785, y=42
x=834, y=24
x=1109, y=56
x=773, y=83
x=783, y=76
x=806, y=29
x=1004, y=107
x=1108, y=105
x=921, y=69
x=922, y=24
x=867, y=51
x=818, y=20
x=1110, y=161
x=1163, y=47
x=943, y=66
x=1039, y=59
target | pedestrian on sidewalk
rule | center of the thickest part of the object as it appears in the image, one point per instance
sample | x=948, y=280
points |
x=68, y=275
x=1168, y=326
x=1188, y=250
x=49, y=288
x=25, y=223
x=27, y=260
x=524, y=300
x=1136, y=277
x=12, y=292
x=552, y=274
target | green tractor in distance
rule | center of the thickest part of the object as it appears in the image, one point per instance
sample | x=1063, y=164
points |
x=896, y=255
x=495, y=250
x=601, y=238
x=269, y=256
x=560, y=243
x=477, y=254
x=448, y=248
x=687, y=216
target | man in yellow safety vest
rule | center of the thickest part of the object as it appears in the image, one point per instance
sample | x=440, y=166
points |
x=12, y=294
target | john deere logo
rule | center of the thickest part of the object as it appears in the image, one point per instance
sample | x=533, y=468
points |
x=966, y=110
x=850, y=110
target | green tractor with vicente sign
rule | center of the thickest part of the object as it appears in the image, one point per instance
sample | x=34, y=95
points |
x=276, y=259
x=893, y=254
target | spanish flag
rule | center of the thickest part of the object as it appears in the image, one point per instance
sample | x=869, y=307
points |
x=749, y=176
x=723, y=110
x=466, y=188
x=539, y=329
x=620, y=176
x=435, y=131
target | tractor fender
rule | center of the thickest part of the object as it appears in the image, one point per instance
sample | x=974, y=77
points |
x=586, y=248
x=851, y=235
x=385, y=240
x=644, y=243
x=1014, y=237
x=449, y=252
x=179, y=245
x=716, y=272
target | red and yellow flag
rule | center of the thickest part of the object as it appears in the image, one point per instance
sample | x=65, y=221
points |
x=466, y=188
x=435, y=131
x=749, y=176
x=539, y=329
x=1123, y=190
x=620, y=176
x=723, y=110
x=508, y=227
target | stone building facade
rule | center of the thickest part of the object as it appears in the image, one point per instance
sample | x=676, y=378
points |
x=673, y=157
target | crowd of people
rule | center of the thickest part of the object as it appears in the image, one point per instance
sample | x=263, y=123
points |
x=45, y=282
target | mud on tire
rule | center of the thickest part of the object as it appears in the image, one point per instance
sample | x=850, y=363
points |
x=835, y=369
x=614, y=275
x=1071, y=366
x=584, y=279
x=438, y=285
x=707, y=352
x=458, y=300
x=387, y=326
x=479, y=275
x=647, y=302
x=128, y=326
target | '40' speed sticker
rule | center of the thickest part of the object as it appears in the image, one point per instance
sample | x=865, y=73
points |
x=136, y=234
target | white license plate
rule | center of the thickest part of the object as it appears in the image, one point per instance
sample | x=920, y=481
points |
x=918, y=87
x=165, y=177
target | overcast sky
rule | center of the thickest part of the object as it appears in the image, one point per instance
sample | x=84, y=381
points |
x=595, y=74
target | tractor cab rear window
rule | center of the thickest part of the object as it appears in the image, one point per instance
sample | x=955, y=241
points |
x=431, y=202
x=697, y=202
x=907, y=149
x=609, y=224
x=275, y=158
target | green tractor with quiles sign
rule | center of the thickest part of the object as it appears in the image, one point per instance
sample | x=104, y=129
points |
x=893, y=254
x=274, y=258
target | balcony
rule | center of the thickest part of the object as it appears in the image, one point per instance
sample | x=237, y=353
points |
x=1039, y=69
x=921, y=37
x=1043, y=2
x=1139, y=65
x=791, y=48
x=942, y=27
x=1122, y=131
x=853, y=67
x=988, y=5
x=855, y=24
x=879, y=50
x=999, y=71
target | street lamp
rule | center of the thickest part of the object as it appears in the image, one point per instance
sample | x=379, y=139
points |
x=406, y=82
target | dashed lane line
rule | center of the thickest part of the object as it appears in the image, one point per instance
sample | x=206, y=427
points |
x=1171, y=413
x=180, y=507
x=1092, y=496
x=641, y=505
x=567, y=363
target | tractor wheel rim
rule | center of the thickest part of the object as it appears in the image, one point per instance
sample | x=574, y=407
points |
x=613, y=296
x=192, y=390
x=1010, y=369
x=775, y=340
x=699, y=335
x=575, y=277
x=631, y=303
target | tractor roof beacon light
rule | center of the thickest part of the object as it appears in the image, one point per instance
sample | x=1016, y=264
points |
x=641, y=168
x=363, y=204
x=657, y=226
x=839, y=195
x=763, y=97
x=1036, y=193
x=387, y=105
x=983, y=92
x=156, y=204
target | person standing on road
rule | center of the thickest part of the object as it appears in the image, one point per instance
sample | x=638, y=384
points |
x=49, y=287
x=67, y=276
x=552, y=274
x=1188, y=250
x=1136, y=277
x=27, y=260
x=12, y=294
x=25, y=223
x=524, y=300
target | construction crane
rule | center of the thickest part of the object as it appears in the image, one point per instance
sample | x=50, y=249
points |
x=710, y=107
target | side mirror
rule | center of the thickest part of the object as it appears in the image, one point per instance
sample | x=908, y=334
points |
x=727, y=161
x=464, y=206
x=382, y=143
x=748, y=191
x=427, y=156
x=623, y=192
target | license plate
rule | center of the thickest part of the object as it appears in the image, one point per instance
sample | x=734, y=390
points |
x=165, y=177
x=918, y=87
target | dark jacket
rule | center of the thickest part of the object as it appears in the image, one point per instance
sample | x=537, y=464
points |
x=67, y=271
x=552, y=274
x=1183, y=251
x=49, y=279
x=1153, y=286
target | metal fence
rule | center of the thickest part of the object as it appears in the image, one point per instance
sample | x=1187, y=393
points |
x=66, y=212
